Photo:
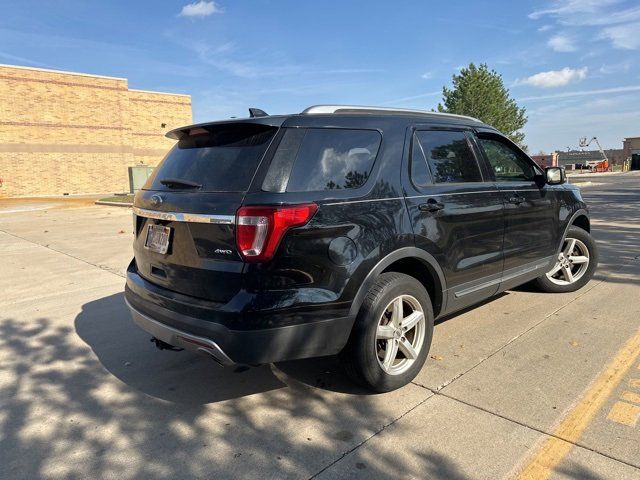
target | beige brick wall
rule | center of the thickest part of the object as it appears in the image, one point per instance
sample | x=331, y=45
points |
x=629, y=145
x=72, y=133
x=151, y=115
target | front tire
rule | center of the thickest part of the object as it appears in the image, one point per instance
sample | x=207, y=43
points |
x=576, y=264
x=392, y=334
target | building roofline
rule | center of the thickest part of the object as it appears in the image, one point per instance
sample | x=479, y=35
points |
x=90, y=75
x=51, y=70
x=159, y=93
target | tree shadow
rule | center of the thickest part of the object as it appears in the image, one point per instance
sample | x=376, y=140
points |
x=615, y=220
x=185, y=377
x=106, y=403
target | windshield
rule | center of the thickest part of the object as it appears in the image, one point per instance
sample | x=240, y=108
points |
x=215, y=159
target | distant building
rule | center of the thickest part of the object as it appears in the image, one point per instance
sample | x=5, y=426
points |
x=581, y=157
x=64, y=132
x=631, y=149
x=544, y=161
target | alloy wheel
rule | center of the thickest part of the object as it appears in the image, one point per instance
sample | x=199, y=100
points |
x=573, y=262
x=400, y=334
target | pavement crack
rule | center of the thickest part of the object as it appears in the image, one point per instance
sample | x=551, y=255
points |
x=482, y=360
x=101, y=267
x=530, y=427
x=355, y=447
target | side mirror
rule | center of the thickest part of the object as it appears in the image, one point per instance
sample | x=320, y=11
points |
x=555, y=175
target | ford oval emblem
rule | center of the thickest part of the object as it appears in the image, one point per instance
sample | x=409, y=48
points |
x=156, y=200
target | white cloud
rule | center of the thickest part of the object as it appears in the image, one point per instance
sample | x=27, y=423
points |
x=617, y=22
x=427, y=75
x=609, y=69
x=583, y=93
x=562, y=43
x=626, y=37
x=555, y=78
x=569, y=11
x=544, y=28
x=200, y=9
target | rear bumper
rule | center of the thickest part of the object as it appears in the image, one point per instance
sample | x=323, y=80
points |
x=165, y=317
x=178, y=338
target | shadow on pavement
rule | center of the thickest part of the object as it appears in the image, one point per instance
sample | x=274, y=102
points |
x=111, y=405
x=184, y=377
x=614, y=224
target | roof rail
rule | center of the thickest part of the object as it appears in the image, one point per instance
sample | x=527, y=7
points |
x=325, y=109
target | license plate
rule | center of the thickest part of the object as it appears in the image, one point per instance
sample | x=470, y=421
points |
x=158, y=239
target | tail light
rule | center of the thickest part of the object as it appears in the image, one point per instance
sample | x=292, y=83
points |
x=260, y=229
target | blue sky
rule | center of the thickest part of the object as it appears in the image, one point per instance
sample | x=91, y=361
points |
x=574, y=64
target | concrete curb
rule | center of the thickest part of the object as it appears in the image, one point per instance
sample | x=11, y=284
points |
x=114, y=204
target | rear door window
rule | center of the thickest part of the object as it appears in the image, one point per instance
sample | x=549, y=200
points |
x=419, y=169
x=318, y=159
x=449, y=156
x=220, y=158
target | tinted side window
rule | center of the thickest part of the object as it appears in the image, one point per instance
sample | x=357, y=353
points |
x=507, y=163
x=420, y=174
x=330, y=158
x=449, y=156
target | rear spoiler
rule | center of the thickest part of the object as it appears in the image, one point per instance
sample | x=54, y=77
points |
x=272, y=121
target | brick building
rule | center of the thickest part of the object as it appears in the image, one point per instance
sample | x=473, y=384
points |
x=544, y=160
x=63, y=132
x=631, y=149
x=581, y=157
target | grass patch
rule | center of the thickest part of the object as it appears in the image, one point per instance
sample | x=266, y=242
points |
x=118, y=199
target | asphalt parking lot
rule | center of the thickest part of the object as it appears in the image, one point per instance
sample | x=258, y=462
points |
x=527, y=385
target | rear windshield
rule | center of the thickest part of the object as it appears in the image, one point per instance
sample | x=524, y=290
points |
x=317, y=159
x=218, y=158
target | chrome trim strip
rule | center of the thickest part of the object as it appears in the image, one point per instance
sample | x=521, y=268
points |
x=178, y=338
x=185, y=217
x=365, y=201
x=434, y=194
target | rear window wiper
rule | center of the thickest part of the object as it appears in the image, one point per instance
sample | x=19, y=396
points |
x=179, y=183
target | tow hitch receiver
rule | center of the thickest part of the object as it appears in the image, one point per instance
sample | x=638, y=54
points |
x=160, y=345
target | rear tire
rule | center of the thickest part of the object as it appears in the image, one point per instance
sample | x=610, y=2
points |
x=392, y=334
x=577, y=262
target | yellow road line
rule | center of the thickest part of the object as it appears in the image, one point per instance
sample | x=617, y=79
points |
x=630, y=397
x=624, y=413
x=578, y=419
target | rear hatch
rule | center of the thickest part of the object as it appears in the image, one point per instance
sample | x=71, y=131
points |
x=185, y=214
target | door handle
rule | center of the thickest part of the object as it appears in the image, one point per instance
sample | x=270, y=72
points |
x=430, y=206
x=516, y=199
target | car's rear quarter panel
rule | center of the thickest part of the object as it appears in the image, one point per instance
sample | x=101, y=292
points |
x=321, y=266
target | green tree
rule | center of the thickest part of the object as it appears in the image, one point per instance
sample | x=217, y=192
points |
x=480, y=93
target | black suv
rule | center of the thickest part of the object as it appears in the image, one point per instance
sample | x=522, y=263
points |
x=344, y=230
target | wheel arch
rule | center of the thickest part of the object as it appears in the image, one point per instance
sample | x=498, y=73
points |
x=582, y=221
x=581, y=216
x=410, y=261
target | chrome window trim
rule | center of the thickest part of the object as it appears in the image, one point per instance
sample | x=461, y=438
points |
x=185, y=217
x=435, y=194
x=368, y=200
